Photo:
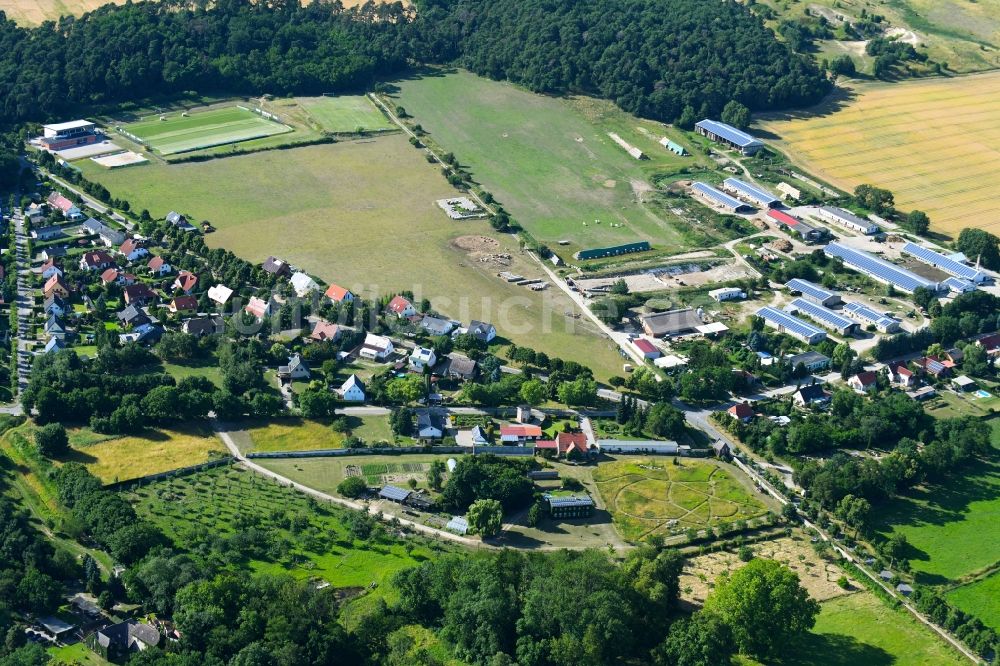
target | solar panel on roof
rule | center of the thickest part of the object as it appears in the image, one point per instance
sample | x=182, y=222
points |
x=819, y=313
x=394, y=493
x=788, y=322
x=870, y=315
x=947, y=264
x=719, y=196
x=809, y=289
x=879, y=269
x=959, y=285
x=752, y=191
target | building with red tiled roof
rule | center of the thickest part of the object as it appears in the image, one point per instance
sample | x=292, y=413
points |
x=520, y=434
x=183, y=304
x=742, y=412
x=55, y=285
x=257, y=307
x=158, y=265
x=863, y=382
x=109, y=275
x=339, y=294
x=186, y=281
x=324, y=330
x=401, y=307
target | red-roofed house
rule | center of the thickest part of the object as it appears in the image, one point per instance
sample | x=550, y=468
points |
x=49, y=268
x=158, y=266
x=520, y=434
x=863, y=382
x=646, y=348
x=110, y=275
x=338, y=294
x=259, y=308
x=324, y=330
x=401, y=307
x=741, y=412
x=573, y=445
x=991, y=343
x=138, y=294
x=131, y=250
x=547, y=445
x=55, y=285
x=186, y=280
x=902, y=376
x=96, y=261
x=183, y=304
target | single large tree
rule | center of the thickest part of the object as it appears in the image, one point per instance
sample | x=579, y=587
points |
x=485, y=517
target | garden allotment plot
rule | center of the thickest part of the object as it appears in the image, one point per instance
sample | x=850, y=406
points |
x=216, y=127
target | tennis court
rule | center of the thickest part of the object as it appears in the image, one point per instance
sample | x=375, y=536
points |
x=176, y=133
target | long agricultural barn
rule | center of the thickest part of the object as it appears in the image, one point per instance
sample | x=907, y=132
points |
x=751, y=193
x=813, y=292
x=722, y=199
x=824, y=316
x=790, y=325
x=880, y=270
x=866, y=316
x=958, y=285
x=730, y=136
x=806, y=231
x=847, y=219
x=947, y=264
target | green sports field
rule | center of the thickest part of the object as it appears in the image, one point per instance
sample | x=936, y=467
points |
x=202, y=129
x=346, y=113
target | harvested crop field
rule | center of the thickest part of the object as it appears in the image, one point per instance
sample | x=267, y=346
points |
x=934, y=143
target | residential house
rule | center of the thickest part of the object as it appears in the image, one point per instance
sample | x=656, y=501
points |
x=303, y=284
x=220, y=294
x=117, y=641
x=933, y=366
x=991, y=343
x=436, y=325
x=183, y=304
x=47, y=233
x=574, y=445
x=812, y=361
x=352, y=390
x=324, y=331
x=53, y=345
x=296, y=369
x=953, y=356
x=132, y=250
x=401, y=307
x=811, y=395
x=458, y=366
x=132, y=316
x=429, y=426
x=722, y=450
x=338, y=294
x=483, y=331
x=902, y=376
x=55, y=286
x=422, y=357
x=258, y=307
x=863, y=382
x=741, y=412
x=179, y=221
x=69, y=210
x=185, y=281
x=139, y=294
x=49, y=268
x=97, y=260
x=146, y=334
x=54, y=252
x=376, y=348
x=202, y=326
x=110, y=237
x=519, y=435
x=276, y=267
x=115, y=276
x=159, y=266
x=55, y=305
x=54, y=327
x=34, y=213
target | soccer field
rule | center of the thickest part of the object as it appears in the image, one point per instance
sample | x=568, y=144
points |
x=347, y=113
x=203, y=129
x=935, y=144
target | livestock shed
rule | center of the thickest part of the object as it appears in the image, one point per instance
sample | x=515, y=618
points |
x=824, y=316
x=638, y=446
x=394, y=494
x=600, y=252
x=673, y=147
x=729, y=136
x=672, y=322
x=867, y=315
x=750, y=192
x=791, y=325
x=792, y=223
x=813, y=292
x=879, y=269
x=947, y=264
x=847, y=219
x=958, y=285
x=719, y=198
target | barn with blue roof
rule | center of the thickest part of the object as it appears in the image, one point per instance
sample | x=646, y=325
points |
x=791, y=325
x=718, y=198
x=749, y=192
x=729, y=136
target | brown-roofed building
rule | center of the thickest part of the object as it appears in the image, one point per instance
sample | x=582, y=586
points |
x=97, y=260
x=325, y=331
x=741, y=412
x=132, y=250
x=138, y=294
x=863, y=382
x=158, y=266
x=277, y=267
x=55, y=286
x=183, y=304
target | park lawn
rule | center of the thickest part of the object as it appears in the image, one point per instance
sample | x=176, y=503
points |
x=324, y=474
x=948, y=123
x=78, y=653
x=154, y=451
x=981, y=599
x=655, y=496
x=951, y=526
x=211, y=504
x=345, y=113
x=387, y=188
x=550, y=161
x=173, y=133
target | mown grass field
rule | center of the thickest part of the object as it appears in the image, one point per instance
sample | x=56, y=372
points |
x=981, y=599
x=203, y=129
x=214, y=502
x=657, y=497
x=362, y=214
x=550, y=161
x=934, y=143
x=951, y=527
x=345, y=113
x=297, y=434
x=154, y=451
x=324, y=474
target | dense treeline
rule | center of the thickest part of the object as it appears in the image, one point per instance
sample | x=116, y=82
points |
x=654, y=58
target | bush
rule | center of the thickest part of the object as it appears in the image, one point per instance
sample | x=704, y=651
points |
x=352, y=486
x=51, y=440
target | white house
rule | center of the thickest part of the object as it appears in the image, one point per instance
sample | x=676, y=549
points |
x=132, y=251
x=401, y=307
x=49, y=269
x=352, y=390
x=296, y=369
x=727, y=294
x=376, y=348
x=422, y=357
x=220, y=293
x=303, y=284
x=482, y=330
x=159, y=266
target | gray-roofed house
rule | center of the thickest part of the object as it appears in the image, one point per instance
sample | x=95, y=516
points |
x=810, y=360
x=202, y=326
x=437, y=325
x=722, y=449
x=458, y=366
x=179, y=221
x=479, y=436
x=811, y=395
x=116, y=641
x=53, y=345
x=131, y=316
x=55, y=305
x=569, y=506
x=672, y=322
x=352, y=390
x=904, y=589
x=429, y=426
x=482, y=330
x=296, y=369
x=54, y=327
x=47, y=233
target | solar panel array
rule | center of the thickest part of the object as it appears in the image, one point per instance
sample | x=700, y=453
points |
x=947, y=264
x=879, y=269
x=823, y=315
x=763, y=197
x=394, y=493
x=871, y=316
x=791, y=324
x=729, y=133
x=807, y=288
x=958, y=285
x=721, y=197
